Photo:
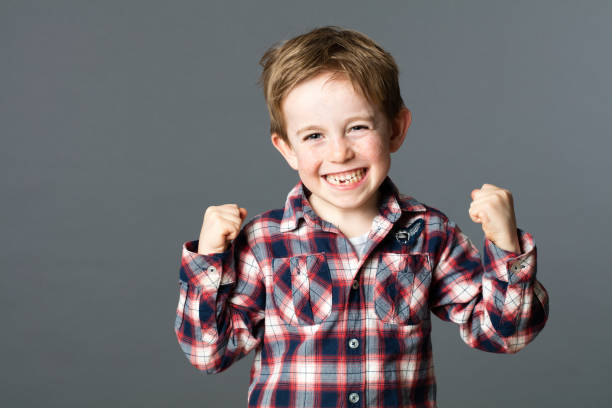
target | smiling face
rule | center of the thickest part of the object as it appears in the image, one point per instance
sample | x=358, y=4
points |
x=340, y=144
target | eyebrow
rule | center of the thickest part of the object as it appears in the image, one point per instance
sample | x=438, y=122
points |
x=367, y=118
x=304, y=129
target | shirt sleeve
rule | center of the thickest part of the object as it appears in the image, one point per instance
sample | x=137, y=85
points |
x=497, y=302
x=219, y=317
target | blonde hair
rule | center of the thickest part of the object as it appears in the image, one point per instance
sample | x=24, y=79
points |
x=371, y=70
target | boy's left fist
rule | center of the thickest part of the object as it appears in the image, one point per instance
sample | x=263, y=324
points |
x=493, y=207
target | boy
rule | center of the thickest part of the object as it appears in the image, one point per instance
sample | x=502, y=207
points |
x=334, y=292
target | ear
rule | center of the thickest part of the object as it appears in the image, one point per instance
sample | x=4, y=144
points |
x=285, y=149
x=399, y=127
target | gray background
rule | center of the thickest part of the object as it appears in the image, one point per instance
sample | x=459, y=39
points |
x=122, y=121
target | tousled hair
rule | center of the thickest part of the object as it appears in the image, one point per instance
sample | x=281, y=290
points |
x=371, y=70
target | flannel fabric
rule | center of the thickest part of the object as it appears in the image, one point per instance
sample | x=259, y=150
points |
x=332, y=330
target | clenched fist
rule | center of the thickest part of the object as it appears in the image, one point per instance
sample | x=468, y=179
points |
x=220, y=226
x=493, y=207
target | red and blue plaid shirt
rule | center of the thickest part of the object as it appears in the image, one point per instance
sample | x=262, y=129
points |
x=332, y=330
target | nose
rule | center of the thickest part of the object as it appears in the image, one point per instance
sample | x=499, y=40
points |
x=341, y=150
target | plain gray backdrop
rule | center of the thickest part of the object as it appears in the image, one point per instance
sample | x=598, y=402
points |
x=121, y=121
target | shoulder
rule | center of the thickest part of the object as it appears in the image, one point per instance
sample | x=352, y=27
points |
x=437, y=228
x=268, y=223
x=418, y=209
x=431, y=223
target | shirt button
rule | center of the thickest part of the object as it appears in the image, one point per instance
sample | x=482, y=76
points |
x=353, y=343
x=517, y=266
x=355, y=284
x=212, y=269
x=354, y=397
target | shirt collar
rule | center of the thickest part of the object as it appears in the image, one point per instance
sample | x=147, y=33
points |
x=392, y=205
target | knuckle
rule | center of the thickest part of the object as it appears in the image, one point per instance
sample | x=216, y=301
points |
x=230, y=208
x=498, y=198
x=213, y=209
x=208, y=214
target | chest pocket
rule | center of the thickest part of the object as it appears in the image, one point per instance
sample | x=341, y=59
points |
x=401, y=288
x=302, y=289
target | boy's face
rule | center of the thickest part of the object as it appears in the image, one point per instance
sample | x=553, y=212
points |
x=339, y=143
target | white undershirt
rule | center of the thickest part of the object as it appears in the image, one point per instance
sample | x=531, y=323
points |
x=359, y=243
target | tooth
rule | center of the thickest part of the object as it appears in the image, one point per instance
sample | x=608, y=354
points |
x=346, y=178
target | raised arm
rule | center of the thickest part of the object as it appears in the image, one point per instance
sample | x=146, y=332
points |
x=219, y=317
x=497, y=301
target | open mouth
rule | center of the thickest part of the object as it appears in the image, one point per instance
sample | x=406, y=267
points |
x=347, y=177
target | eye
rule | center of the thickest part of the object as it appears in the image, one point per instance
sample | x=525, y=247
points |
x=312, y=136
x=359, y=127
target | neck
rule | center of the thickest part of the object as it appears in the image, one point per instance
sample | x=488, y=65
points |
x=354, y=227
x=351, y=222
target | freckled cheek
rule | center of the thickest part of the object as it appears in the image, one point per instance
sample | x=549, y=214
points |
x=307, y=165
x=373, y=151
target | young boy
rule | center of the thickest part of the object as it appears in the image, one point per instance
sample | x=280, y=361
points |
x=334, y=291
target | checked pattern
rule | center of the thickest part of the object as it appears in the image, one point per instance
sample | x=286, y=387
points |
x=401, y=288
x=332, y=329
x=303, y=289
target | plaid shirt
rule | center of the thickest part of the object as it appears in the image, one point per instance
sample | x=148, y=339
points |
x=332, y=330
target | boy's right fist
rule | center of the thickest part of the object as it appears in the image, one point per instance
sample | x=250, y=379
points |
x=220, y=226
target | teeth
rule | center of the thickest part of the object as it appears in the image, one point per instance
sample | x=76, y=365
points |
x=346, y=178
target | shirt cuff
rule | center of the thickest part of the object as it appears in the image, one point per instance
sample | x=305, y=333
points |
x=510, y=266
x=205, y=271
